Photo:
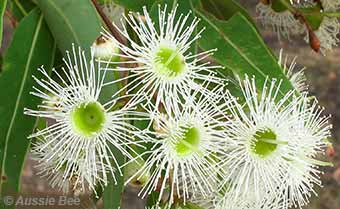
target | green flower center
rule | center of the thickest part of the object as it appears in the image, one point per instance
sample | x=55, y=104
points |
x=264, y=142
x=169, y=62
x=189, y=142
x=88, y=118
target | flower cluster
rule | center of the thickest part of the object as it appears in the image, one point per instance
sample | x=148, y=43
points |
x=313, y=19
x=185, y=137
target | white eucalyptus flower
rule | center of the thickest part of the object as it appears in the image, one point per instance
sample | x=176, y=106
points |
x=46, y=168
x=165, y=206
x=164, y=66
x=283, y=22
x=218, y=200
x=272, y=133
x=184, y=160
x=249, y=202
x=76, y=180
x=223, y=198
x=331, y=5
x=83, y=130
x=206, y=201
x=327, y=34
x=177, y=206
x=311, y=129
x=298, y=79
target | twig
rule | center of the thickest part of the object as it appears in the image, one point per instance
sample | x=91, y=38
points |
x=21, y=8
x=314, y=41
x=107, y=22
x=11, y=17
x=113, y=31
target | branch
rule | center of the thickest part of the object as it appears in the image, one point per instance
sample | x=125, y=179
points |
x=331, y=14
x=11, y=17
x=314, y=41
x=107, y=22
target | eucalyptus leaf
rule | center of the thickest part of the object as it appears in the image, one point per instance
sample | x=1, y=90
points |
x=3, y=5
x=241, y=50
x=135, y=5
x=32, y=46
x=68, y=27
x=314, y=16
x=225, y=9
x=20, y=8
x=152, y=199
x=113, y=191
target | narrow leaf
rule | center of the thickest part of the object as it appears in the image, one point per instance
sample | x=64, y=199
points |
x=3, y=4
x=241, y=49
x=225, y=9
x=32, y=46
x=20, y=8
x=113, y=192
x=135, y=6
x=71, y=22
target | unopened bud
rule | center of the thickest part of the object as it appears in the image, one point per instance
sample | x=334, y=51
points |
x=105, y=49
x=330, y=152
x=314, y=41
x=130, y=171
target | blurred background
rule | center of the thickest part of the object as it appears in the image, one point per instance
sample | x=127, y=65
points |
x=323, y=77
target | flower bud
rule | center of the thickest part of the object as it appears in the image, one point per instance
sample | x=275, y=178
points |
x=314, y=41
x=105, y=49
x=131, y=170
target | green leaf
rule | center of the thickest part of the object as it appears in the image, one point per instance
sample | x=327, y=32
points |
x=1, y=61
x=314, y=16
x=3, y=4
x=71, y=22
x=112, y=193
x=32, y=46
x=20, y=8
x=224, y=9
x=135, y=5
x=107, y=91
x=152, y=199
x=278, y=6
x=241, y=50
